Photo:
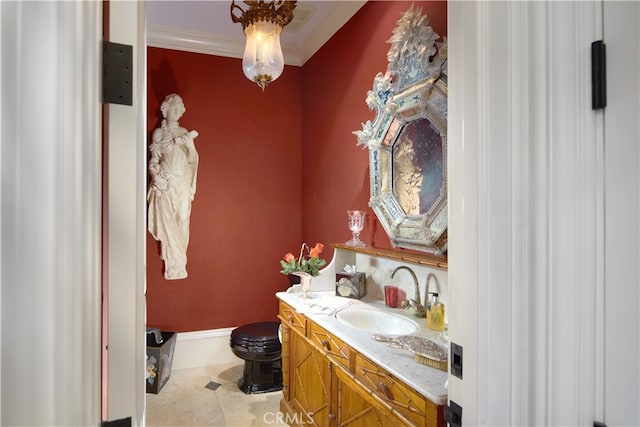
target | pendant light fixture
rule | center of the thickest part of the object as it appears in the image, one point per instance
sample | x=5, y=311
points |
x=262, y=24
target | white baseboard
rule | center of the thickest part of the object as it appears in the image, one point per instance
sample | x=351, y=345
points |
x=203, y=348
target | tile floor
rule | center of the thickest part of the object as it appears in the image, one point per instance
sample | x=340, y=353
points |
x=184, y=401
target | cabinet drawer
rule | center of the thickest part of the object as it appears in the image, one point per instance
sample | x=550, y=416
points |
x=292, y=318
x=332, y=345
x=356, y=407
x=403, y=399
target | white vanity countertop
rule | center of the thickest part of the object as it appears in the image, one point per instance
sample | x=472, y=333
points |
x=428, y=381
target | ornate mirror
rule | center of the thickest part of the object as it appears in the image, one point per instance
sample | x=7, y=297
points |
x=407, y=139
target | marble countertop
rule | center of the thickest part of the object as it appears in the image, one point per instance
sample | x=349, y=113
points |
x=322, y=307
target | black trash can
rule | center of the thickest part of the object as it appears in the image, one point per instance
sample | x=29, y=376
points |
x=160, y=348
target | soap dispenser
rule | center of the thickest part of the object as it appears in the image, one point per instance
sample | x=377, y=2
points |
x=435, y=313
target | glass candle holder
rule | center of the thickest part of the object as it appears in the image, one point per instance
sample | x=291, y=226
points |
x=356, y=224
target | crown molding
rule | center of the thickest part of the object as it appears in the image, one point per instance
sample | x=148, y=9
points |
x=338, y=15
x=295, y=53
x=171, y=38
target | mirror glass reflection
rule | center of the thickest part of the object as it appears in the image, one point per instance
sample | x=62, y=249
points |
x=417, y=167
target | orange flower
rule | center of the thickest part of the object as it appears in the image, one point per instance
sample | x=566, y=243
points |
x=316, y=250
x=310, y=264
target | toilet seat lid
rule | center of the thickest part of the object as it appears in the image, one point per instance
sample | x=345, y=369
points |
x=256, y=332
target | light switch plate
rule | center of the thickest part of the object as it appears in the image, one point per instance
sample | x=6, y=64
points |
x=456, y=360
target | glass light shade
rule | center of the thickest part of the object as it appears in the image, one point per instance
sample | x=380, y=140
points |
x=263, y=61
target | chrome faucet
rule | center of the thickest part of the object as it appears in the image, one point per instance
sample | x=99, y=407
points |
x=412, y=305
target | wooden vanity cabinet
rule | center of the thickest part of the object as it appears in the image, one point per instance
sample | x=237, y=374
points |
x=326, y=383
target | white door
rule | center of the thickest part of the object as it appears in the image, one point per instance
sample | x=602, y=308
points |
x=544, y=213
x=50, y=256
x=622, y=213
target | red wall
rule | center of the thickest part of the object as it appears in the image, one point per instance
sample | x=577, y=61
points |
x=335, y=82
x=276, y=168
x=246, y=213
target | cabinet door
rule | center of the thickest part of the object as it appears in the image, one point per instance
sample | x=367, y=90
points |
x=310, y=382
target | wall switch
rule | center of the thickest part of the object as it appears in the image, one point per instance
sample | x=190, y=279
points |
x=456, y=360
x=453, y=414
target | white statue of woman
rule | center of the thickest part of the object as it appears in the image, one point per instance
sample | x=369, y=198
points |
x=173, y=168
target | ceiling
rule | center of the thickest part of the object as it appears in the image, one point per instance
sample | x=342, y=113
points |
x=206, y=27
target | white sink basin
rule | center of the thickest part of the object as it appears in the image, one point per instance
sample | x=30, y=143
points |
x=378, y=322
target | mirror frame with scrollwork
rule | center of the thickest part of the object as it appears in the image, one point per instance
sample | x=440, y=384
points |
x=411, y=94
